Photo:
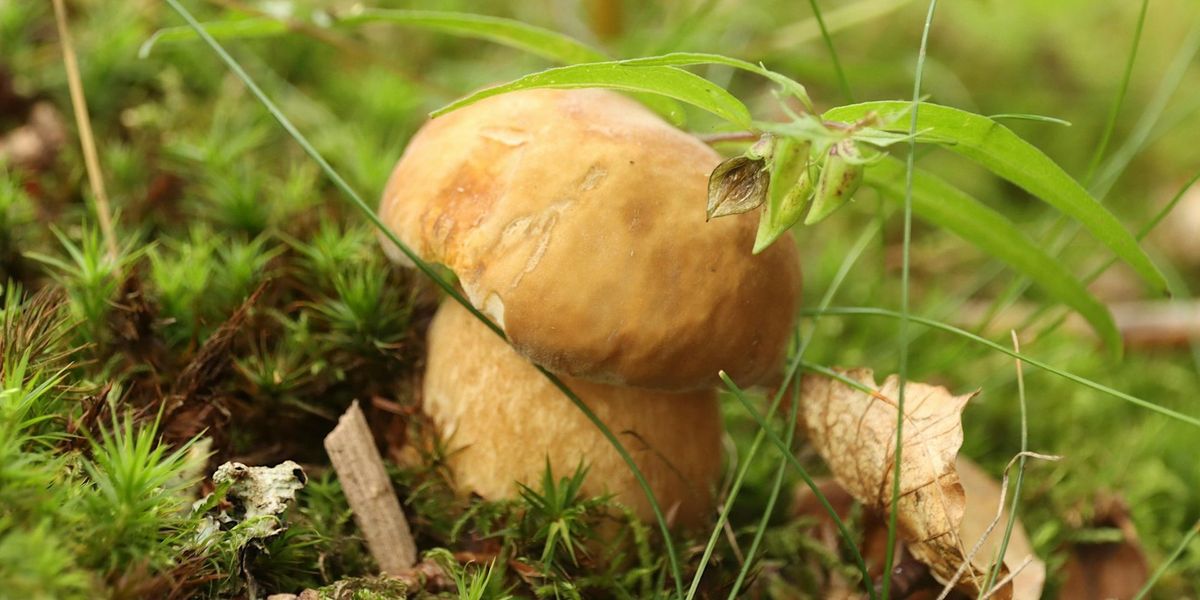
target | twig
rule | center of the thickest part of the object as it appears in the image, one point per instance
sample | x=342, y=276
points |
x=991, y=526
x=86, y=140
x=1008, y=578
x=369, y=491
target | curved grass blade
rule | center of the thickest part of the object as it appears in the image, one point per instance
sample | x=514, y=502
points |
x=538, y=41
x=429, y=271
x=1114, y=110
x=910, y=172
x=1175, y=554
x=837, y=63
x=541, y=42
x=671, y=82
x=1030, y=117
x=946, y=206
x=248, y=28
x=790, y=459
x=684, y=59
x=1007, y=155
x=1029, y=360
x=545, y=43
x=835, y=284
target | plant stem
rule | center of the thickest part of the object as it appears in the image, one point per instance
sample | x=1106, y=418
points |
x=87, y=141
x=889, y=557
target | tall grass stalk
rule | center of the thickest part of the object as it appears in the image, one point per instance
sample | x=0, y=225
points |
x=910, y=166
x=776, y=487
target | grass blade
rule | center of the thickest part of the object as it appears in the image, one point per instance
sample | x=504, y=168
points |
x=1099, y=387
x=1030, y=117
x=833, y=55
x=683, y=59
x=836, y=283
x=538, y=41
x=786, y=452
x=946, y=206
x=666, y=81
x=545, y=43
x=506, y=32
x=1016, y=499
x=1115, y=110
x=1162, y=569
x=909, y=180
x=1007, y=155
x=248, y=28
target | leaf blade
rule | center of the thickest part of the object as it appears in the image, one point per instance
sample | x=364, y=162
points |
x=670, y=82
x=946, y=206
x=1004, y=153
x=684, y=59
x=545, y=43
x=541, y=42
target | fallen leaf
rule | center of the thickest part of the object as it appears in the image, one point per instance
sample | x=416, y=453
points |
x=855, y=432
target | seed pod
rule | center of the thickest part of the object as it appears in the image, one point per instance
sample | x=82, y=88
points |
x=841, y=175
x=790, y=189
x=736, y=186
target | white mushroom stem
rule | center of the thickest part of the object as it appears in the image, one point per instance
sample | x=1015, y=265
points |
x=502, y=423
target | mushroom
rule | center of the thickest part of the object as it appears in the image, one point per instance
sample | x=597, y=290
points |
x=575, y=220
x=503, y=421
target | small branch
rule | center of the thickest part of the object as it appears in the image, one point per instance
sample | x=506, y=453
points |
x=84, y=123
x=369, y=491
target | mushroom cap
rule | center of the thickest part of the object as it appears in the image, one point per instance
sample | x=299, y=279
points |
x=501, y=420
x=575, y=220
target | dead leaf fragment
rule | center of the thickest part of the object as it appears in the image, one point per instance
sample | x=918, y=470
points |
x=855, y=432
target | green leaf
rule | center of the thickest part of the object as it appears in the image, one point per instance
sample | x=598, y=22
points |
x=514, y=34
x=671, y=82
x=545, y=43
x=948, y=207
x=683, y=59
x=541, y=42
x=507, y=32
x=1004, y=153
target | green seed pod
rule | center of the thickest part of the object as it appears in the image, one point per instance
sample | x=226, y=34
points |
x=790, y=189
x=841, y=175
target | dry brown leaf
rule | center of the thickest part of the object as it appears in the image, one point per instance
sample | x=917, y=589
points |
x=855, y=433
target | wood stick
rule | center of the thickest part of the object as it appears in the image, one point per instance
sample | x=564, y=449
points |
x=376, y=508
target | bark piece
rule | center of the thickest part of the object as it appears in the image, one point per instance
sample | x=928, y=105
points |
x=369, y=491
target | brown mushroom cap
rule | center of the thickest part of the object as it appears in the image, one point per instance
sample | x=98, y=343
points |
x=501, y=419
x=575, y=220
